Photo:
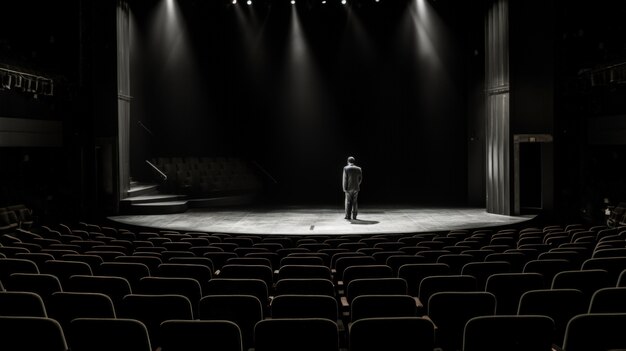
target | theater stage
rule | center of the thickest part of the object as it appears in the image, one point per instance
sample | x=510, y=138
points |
x=301, y=220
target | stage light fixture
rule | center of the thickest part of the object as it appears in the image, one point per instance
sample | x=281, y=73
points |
x=323, y=1
x=293, y=2
x=234, y=2
x=343, y=2
x=249, y=2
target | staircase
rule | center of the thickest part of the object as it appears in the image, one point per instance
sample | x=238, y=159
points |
x=145, y=198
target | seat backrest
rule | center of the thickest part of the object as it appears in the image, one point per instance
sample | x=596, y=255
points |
x=305, y=306
x=396, y=261
x=150, y=261
x=106, y=334
x=455, y=261
x=597, y=331
x=227, y=286
x=613, y=265
x=32, y=333
x=509, y=287
x=373, y=306
x=517, y=260
x=65, y=269
x=42, y=284
x=250, y=261
x=450, y=311
x=366, y=271
x=243, y=310
x=290, y=271
x=559, y=304
x=114, y=287
x=9, y=266
x=414, y=273
x=575, y=258
x=93, y=261
x=188, y=287
x=21, y=304
x=512, y=332
x=182, y=335
x=199, y=272
x=152, y=310
x=304, y=286
x=587, y=281
x=131, y=271
x=344, y=262
x=482, y=270
x=38, y=257
x=392, y=333
x=301, y=260
x=66, y=306
x=608, y=300
x=239, y=271
x=302, y=334
x=441, y=283
x=375, y=286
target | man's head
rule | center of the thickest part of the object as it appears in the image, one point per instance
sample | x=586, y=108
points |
x=350, y=160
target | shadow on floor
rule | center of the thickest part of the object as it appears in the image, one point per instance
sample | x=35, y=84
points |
x=363, y=222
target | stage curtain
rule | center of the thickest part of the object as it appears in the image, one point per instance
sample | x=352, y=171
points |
x=498, y=197
x=123, y=96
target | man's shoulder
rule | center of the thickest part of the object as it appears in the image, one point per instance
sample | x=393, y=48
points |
x=352, y=168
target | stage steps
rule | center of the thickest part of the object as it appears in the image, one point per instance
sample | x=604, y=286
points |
x=146, y=199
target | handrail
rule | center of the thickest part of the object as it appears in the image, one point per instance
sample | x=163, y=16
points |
x=163, y=175
x=265, y=172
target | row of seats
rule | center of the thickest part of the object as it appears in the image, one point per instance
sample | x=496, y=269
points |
x=334, y=266
x=449, y=309
x=15, y=216
x=207, y=175
x=484, y=333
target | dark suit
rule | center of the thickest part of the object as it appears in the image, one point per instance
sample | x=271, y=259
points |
x=352, y=177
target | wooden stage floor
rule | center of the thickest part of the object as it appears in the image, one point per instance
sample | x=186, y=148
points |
x=303, y=220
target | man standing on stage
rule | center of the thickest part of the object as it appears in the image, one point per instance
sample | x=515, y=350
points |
x=351, y=182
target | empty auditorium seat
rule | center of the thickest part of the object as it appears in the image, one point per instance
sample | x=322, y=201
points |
x=152, y=310
x=587, y=281
x=482, y=270
x=608, y=300
x=372, y=306
x=441, y=283
x=305, y=306
x=559, y=304
x=226, y=286
x=414, y=273
x=66, y=306
x=304, y=286
x=9, y=266
x=509, y=287
x=21, y=303
x=450, y=311
x=42, y=284
x=303, y=334
x=114, y=287
x=188, y=287
x=243, y=310
x=183, y=335
x=392, y=333
x=598, y=331
x=106, y=334
x=32, y=333
x=525, y=332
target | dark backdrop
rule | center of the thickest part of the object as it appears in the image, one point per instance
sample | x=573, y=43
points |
x=371, y=81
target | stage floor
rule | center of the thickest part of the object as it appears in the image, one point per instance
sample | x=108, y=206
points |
x=301, y=220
